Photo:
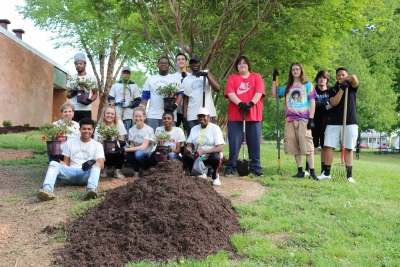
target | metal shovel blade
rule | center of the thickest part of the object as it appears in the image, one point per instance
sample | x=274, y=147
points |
x=243, y=167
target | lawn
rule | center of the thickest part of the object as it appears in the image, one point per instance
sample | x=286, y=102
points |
x=301, y=222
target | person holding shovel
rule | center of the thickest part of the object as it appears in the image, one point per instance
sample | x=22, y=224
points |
x=334, y=128
x=299, y=117
x=245, y=91
x=125, y=96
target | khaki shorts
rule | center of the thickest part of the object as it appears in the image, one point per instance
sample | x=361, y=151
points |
x=298, y=139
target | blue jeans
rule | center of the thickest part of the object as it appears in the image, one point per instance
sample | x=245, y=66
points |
x=71, y=176
x=127, y=125
x=137, y=159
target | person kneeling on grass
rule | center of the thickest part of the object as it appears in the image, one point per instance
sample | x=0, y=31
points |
x=205, y=139
x=83, y=160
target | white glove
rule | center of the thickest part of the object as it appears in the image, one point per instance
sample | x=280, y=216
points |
x=126, y=104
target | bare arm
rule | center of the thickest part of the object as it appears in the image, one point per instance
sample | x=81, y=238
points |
x=185, y=105
x=143, y=103
x=336, y=99
x=177, y=149
x=256, y=98
x=94, y=95
x=352, y=79
x=312, y=108
x=178, y=99
x=216, y=149
x=69, y=93
x=100, y=161
x=66, y=161
x=134, y=148
x=273, y=89
x=233, y=97
x=214, y=85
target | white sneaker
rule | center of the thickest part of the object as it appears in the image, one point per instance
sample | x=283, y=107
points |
x=350, y=180
x=135, y=175
x=217, y=182
x=103, y=172
x=323, y=176
x=203, y=176
x=306, y=174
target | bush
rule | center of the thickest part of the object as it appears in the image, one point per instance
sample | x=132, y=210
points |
x=27, y=125
x=7, y=123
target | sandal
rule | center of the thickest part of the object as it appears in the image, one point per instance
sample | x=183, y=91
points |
x=45, y=194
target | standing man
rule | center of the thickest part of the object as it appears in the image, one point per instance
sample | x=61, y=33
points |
x=180, y=62
x=193, y=100
x=156, y=107
x=82, y=110
x=83, y=159
x=333, y=132
x=125, y=96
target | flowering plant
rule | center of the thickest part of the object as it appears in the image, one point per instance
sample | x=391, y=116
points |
x=54, y=132
x=82, y=83
x=161, y=138
x=106, y=132
x=170, y=90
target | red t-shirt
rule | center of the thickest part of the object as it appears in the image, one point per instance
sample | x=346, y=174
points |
x=245, y=89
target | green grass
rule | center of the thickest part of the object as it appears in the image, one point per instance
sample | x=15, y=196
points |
x=31, y=140
x=81, y=207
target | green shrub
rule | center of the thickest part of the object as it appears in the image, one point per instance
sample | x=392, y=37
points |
x=7, y=123
x=27, y=125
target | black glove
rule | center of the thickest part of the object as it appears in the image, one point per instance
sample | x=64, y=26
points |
x=136, y=102
x=201, y=73
x=276, y=73
x=88, y=164
x=174, y=106
x=243, y=106
x=88, y=102
x=336, y=87
x=74, y=92
x=250, y=105
x=56, y=158
x=184, y=74
x=121, y=143
x=310, y=124
x=120, y=150
x=344, y=85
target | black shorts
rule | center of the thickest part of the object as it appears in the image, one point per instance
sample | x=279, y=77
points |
x=318, y=134
x=80, y=114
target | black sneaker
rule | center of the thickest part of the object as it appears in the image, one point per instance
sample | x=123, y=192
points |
x=228, y=173
x=258, y=173
x=299, y=175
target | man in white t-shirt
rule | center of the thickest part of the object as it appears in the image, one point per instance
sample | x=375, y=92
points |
x=83, y=159
x=82, y=109
x=193, y=99
x=156, y=107
x=125, y=95
x=180, y=74
x=205, y=140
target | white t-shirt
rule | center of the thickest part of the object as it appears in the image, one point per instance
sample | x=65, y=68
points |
x=132, y=92
x=80, y=152
x=74, y=100
x=194, y=90
x=137, y=136
x=207, y=138
x=178, y=76
x=74, y=128
x=156, y=106
x=177, y=136
x=120, y=127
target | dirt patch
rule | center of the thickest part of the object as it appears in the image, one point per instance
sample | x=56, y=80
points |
x=17, y=129
x=15, y=154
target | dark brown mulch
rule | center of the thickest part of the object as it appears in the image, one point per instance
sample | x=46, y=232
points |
x=163, y=216
x=16, y=129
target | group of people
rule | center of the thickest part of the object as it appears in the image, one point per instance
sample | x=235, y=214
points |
x=84, y=160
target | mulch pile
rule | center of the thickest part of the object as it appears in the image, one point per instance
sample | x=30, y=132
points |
x=17, y=129
x=162, y=216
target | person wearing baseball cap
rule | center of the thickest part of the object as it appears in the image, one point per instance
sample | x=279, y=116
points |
x=193, y=99
x=205, y=140
x=125, y=96
x=83, y=108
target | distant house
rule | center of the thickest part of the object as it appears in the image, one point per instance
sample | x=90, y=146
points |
x=374, y=139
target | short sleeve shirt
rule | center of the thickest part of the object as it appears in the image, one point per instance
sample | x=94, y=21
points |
x=137, y=136
x=120, y=127
x=74, y=100
x=206, y=138
x=177, y=136
x=131, y=92
x=80, y=152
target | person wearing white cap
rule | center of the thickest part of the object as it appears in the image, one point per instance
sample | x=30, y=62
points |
x=205, y=140
x=82, y=83
x=125, y=96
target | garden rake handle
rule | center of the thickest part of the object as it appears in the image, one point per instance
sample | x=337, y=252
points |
x=123, y=109
x=244, y=115
x=344, y=123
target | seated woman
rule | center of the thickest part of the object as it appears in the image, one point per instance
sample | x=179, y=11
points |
x=67, y=112
x=141, y=138
x=176, y=136
x=108, y=116
x=205, y=140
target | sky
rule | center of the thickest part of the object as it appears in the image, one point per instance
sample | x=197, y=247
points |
x=38, y=39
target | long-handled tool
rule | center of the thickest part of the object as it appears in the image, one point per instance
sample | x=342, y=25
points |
x=278, y=124
x=204, y=91
x=243, y=167
x=340, y=171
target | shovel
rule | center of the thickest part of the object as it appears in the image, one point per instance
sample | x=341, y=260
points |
x=243, y=167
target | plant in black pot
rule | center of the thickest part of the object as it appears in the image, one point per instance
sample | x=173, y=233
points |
x=162, y=151
x=169, y=93
x=108, y=136
x=83, y=86
x=54, y=135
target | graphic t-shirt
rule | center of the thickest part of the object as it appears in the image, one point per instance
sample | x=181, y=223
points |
x=297, y=101
x=321, y=109
x=194, y=90
x=156, y=106
x=336, y=116
x=120, y=127
x=137, y=136
x=245, y=89
x=74, y=100
x=131, y=92
x=80, y=152
x=205, y=138
x=177, y=136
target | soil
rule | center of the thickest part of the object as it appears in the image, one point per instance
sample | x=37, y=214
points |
x=166, y=216
x=16, y=129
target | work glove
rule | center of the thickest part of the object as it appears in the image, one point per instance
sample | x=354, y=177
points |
x=56, y=158
x=126, y=104
x=310, y=124
x=120, y=102
x=173, y=108
x=136, y=102
x=344, y=85
x=184, y=74
x=120, y=150
x=201, y=73
x=276, y=73
x=121, y=143
x=250, y=105
x=88, y=165
x=242, y=106
x=88, y=102
x=74, y=92
x=336, y=87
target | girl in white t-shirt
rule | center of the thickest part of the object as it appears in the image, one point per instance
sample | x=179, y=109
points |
x=176, y=139
x=109, y=117
x=141, y=137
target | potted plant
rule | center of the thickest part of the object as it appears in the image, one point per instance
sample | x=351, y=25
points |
x=169, y=92
x=54, y=135
x=108, y=136
x=83, y=86
x=162, y=151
